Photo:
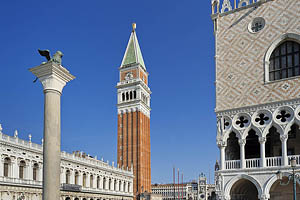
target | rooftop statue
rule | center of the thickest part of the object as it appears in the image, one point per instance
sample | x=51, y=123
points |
x=56, y=57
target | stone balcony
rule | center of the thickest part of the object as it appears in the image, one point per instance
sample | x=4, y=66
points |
x=259, y=163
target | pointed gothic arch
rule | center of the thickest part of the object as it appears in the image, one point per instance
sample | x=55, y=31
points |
x=232, y=150
x=252, y=146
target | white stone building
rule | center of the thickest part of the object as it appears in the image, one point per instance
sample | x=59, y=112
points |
x=194, y=190
x=82, y=176
x=257, y=50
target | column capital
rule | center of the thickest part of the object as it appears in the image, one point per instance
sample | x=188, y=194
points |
x=221, y=143
x=283, y=138
x=52, y=76
x=264, y=197
x=262, y=140
x=242, y=141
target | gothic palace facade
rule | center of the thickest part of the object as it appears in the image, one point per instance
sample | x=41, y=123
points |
x=257, y=96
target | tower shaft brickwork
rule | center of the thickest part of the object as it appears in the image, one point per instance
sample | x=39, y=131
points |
x=134, y=117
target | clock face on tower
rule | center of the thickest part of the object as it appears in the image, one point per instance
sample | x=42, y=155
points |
x=128, y=76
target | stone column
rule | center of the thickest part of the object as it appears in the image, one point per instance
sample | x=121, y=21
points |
x=101, y=182
x=2, y=162
x=262, y=141
x=72, y=177
x=222, y=146
x=94, y=181
x=40, y=172
x=80, y=174
x=63, y=175
x=15, y=168
x=284, y=139
x=242, y=143
x=53, y=78
x=117, y=186
x=88, y=180
x=30, y=170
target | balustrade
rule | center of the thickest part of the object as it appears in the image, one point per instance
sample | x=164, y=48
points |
x=233, y=164
x=252, y=163
x=273, y=161
x=297, y=157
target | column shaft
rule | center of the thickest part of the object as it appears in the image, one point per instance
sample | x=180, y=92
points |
x=284, y=150
x=242, y=156
x=222, y=157
x=51, y=147
x=262, y=141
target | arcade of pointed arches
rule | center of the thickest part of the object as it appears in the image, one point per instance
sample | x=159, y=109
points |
x=244, y=145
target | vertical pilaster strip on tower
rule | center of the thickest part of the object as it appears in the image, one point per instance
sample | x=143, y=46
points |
x=119, y=143
x=125, y=140
x=137, y=151
x=129, y=138
x=134, y=146
x=53, y=78
x=149, y=154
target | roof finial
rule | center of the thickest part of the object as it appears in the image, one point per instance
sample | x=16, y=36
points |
x=133, y=27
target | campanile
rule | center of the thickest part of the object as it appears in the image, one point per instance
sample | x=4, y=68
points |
x=134, y=116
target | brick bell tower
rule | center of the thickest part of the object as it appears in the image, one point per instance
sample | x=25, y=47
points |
x=134, y=116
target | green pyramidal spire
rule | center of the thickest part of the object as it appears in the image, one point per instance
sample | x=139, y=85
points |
x=133, y=54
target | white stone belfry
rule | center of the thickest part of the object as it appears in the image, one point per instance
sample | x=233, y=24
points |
x=53, y=78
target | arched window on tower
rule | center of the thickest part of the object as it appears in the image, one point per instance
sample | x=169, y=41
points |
x=130, y=95
x=134, y=94
x=127, y=96
x=120, y=186
x=123, y=97
x=284, y=61
x=7, y=167
x=35, y=171
x=22, y=169
x=68, y=173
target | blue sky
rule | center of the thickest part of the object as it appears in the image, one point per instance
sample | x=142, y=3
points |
x=177, y=42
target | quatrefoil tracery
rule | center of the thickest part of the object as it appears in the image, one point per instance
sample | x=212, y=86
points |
x=262, y=119
x=242, y=121
x=283, y=115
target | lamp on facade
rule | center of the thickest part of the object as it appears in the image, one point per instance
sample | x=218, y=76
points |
x=294, y=177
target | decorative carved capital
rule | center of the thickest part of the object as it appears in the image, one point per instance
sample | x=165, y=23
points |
x=221, y=143
x=242, y=141
x=283, y=138
x=52, y=76
x=262, y=140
